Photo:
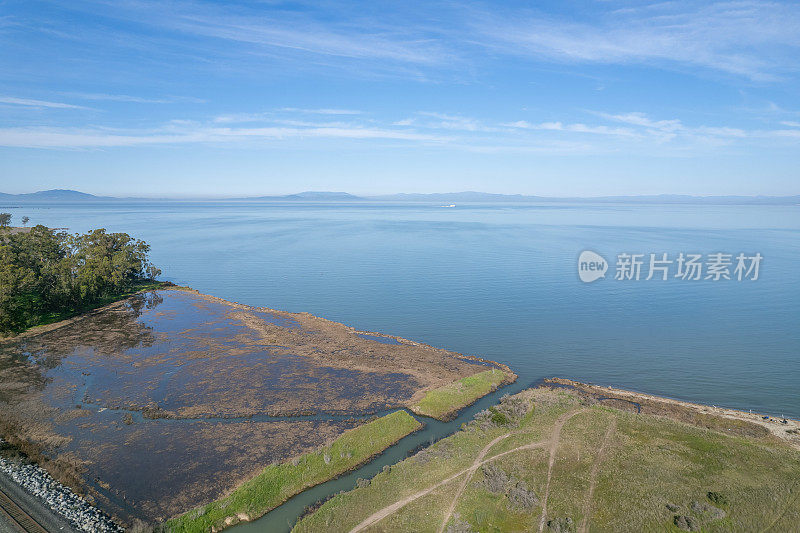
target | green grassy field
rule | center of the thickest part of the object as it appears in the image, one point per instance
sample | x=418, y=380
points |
x=612, y=470
x=277, y=483
x=445, y=401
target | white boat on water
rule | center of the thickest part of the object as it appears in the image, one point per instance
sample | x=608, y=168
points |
x=451, y=205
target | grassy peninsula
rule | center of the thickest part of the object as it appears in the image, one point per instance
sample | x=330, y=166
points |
x=444, y=402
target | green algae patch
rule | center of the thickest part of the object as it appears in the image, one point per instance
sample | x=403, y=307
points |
x=444, y=402
x=277, y=483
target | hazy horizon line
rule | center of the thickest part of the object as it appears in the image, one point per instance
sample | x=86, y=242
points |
x=321, y=194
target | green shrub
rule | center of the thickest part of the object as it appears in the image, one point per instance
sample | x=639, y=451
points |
x=499, y=418
x=717, y=498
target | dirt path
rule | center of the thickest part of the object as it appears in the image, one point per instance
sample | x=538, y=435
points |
x=464, y=483
x=391, y=509
x=552, y=444
x=587, y=503
x=555, y=438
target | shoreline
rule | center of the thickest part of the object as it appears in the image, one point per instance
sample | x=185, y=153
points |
x=606, y=392
x=636, y=472
x=788, y=432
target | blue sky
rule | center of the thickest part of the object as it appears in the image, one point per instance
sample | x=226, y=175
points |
x=190, y=98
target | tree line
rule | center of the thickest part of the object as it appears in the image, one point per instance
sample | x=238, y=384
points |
x=47, y=274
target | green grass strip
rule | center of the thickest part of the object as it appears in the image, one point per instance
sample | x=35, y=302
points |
x=442, y=402
x=277, y=483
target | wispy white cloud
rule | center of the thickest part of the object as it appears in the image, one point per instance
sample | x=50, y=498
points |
x=667, y=130
x=187, y=132
x=575, y=128
x=274, y=116
x=29, y=102
x=323, y=111
x=319, y=29
x=721, y=131
x=452, y=122
x=238, y=118
x=674, y=126
x=548, y=147
x=756, y=39
x=135, y=99
x=790, y=134
x=638, y=132
x=641, y=119
x=445, y=121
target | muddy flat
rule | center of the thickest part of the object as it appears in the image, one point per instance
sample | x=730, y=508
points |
x=170, y=399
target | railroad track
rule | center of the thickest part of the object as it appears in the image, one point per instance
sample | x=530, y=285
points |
x=17, y=516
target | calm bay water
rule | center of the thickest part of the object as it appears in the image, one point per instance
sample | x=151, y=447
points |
x=500, y=281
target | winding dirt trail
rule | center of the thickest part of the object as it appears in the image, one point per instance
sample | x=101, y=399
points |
x=555, y=438
x=467, y=477
x=551, y=443
x=391, y=509
x=587, y=503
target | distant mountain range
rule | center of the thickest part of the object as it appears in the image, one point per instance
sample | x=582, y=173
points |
x=471, y=196
x=53, y=195
x=66, y=195
x=310, y=195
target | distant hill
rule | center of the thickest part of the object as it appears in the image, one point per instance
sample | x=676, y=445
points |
x=309, y=195
x=472, y=196
x=466, y=196
x=52, y=195
x=66, y=195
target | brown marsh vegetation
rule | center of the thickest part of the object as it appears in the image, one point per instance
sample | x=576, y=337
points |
x=163, y=401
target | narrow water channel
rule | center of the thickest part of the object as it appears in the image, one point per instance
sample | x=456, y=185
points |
x=282, y=518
